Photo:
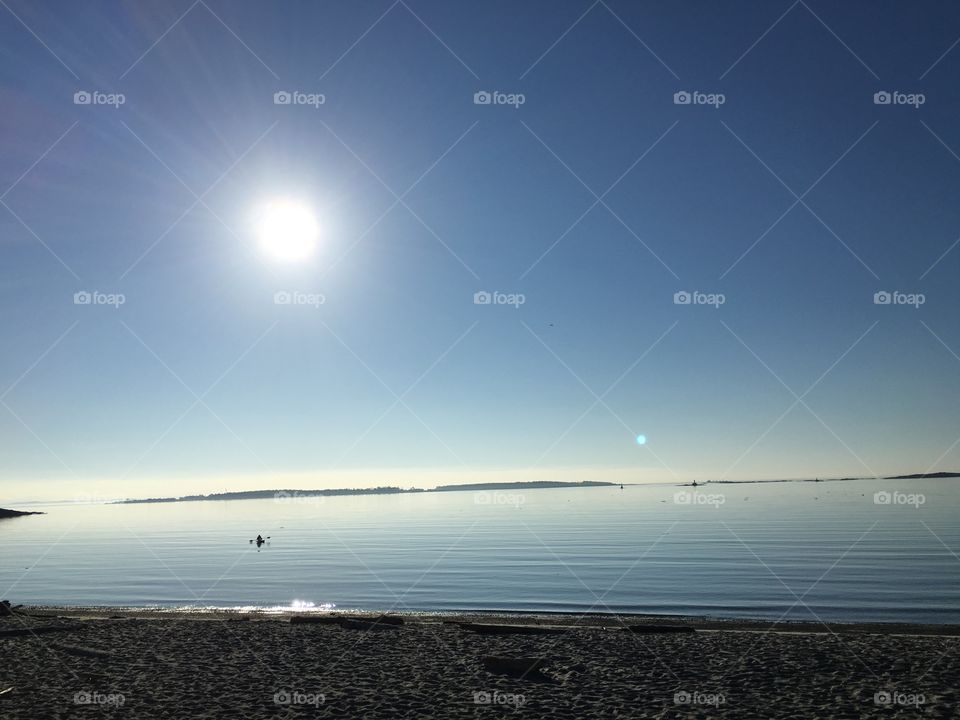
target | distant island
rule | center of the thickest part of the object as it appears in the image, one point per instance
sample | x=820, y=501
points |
x=384, y=490
x=919, y=476
x=532, y=485
x=266, y=494
x=4, y=513
x=915, y=476
x=766, y=482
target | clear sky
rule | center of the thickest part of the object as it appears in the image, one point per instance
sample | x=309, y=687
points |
x=597, y=199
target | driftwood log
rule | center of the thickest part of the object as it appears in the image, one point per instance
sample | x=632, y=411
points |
x=41, y=630
x=650, y=628
x=486, y=629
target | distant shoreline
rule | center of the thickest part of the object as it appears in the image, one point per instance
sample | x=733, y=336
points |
x=914, y=476
x=293, y=494
x=768, y=482
x=290, y=494
x=922, y=476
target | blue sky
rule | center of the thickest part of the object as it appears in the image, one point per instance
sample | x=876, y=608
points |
x=796, y=200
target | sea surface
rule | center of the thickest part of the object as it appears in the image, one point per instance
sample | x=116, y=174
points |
x=802, y=551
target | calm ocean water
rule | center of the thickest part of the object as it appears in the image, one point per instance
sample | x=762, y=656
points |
x=803, y=550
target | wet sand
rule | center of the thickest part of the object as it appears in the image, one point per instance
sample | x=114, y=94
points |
x=148, y=664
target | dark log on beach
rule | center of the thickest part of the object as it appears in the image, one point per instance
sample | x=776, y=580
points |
x=315, y=620
x=389, y=620
x=483, y=629
x=656, y=628
x=42, y=630
x=82, y=651
x=349, y=624
x=526, y=668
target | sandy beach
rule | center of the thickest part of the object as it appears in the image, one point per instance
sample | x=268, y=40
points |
x=146, y=664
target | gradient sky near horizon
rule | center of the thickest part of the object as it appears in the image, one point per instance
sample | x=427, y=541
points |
x=598, y=199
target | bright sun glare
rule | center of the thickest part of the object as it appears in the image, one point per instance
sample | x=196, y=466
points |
x=287, y=230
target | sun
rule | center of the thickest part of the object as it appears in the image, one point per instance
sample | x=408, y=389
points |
x=287, y=230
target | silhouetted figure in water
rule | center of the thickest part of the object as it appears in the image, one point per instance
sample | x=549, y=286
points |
x=694, y=483
x=260, y=540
